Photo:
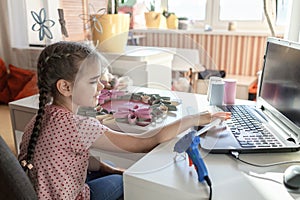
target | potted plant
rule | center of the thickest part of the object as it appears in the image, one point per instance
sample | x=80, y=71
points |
x=171, y=18
x=152, y=17
x=110, y=30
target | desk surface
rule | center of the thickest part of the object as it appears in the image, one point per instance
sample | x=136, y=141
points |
x=156, y=175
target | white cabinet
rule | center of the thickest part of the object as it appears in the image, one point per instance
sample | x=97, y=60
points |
x=146, y=66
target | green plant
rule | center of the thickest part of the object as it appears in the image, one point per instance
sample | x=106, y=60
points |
x=113, y=6
x=167, y=14
x=152, y=5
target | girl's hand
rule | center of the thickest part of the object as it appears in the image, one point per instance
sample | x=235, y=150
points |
x=221, y=115
x=107, y=169
x=118, y=170
x=207, y=117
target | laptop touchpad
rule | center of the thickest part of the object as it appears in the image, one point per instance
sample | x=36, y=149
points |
x=219, y=138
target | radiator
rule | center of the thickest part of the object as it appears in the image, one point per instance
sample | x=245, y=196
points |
x=236, y=54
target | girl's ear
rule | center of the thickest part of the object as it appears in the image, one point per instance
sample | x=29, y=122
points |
x=64, y=87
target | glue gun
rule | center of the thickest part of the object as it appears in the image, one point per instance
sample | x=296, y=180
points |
x=189, y=143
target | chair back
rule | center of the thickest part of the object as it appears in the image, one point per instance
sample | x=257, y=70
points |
x=14, y=182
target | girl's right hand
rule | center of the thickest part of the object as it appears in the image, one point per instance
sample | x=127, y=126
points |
x=207, y=117
x=221, y=115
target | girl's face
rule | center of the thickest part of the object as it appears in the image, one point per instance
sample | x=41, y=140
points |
x=87, y=85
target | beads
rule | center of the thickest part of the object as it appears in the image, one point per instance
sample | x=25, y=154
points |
x=26, y=164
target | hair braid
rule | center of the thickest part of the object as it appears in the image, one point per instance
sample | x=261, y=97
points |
x=36, y=129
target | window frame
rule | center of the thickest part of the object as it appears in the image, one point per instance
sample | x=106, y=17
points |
x=18, y=20
x=247, y=25
x=212, y=18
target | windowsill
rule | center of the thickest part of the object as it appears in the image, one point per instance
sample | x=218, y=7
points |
x=26, y=48
x=200, y=31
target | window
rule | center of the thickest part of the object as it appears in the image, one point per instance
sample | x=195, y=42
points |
x=282, y=11
x=191, y=9
x=241, y=10
x=248, y=15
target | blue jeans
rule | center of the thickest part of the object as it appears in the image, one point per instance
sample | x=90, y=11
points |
x=108, y=187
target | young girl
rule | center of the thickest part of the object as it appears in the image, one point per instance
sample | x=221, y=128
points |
x=55, y=145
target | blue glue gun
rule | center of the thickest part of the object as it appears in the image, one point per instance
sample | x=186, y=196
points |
x=189, y=143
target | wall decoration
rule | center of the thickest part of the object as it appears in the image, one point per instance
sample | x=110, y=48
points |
x=42, y=24
x=92, y=18
x=62, y=22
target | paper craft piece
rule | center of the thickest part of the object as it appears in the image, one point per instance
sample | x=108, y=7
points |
x=91, y=20
x=134, y=108
x=42, y=24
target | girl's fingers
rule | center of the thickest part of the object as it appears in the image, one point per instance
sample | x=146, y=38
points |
x=223, y=115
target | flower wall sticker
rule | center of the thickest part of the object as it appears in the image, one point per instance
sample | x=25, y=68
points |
x=91, y=20
x=40, y=24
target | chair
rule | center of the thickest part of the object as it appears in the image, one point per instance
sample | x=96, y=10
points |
x=14, y=183
x=187, y=62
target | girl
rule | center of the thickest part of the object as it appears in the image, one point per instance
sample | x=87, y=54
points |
x=55, y=145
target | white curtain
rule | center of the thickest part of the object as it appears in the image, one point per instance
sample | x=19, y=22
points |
x=5, y=46
x=14, y=51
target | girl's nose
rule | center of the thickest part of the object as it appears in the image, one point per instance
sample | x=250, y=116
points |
x=100, y=86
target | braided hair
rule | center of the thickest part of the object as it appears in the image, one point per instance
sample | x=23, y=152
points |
x=57, y=61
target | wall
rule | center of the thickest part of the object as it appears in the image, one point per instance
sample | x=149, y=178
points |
x=236, y=53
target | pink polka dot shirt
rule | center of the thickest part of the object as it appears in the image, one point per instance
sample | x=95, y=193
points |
x=61, y=154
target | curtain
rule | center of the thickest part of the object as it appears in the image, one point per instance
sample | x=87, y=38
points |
x=5, y=47
x=78, y=27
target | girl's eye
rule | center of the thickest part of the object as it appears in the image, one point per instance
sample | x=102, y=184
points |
x=93, y=82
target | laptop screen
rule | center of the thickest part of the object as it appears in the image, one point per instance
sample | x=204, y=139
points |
x=280, y=80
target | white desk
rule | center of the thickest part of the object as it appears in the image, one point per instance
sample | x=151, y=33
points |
x=156, y=176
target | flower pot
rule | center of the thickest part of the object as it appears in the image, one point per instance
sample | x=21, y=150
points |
x=172, y=22
x=152, y=19
x=114, y=35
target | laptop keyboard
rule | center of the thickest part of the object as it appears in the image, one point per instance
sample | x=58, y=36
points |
x=249, y=130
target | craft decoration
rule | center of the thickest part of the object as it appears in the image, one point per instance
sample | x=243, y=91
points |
x=40, y=24
x=62, y=22
x=109, y=94
x=93, y=18
x=135, y=115
x=134, y=108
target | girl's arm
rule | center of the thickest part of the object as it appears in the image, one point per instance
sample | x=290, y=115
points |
x=139, y=143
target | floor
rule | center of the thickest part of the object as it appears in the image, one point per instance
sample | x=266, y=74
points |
x=6, y=128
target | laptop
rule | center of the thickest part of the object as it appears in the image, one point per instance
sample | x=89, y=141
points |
x=273, y=123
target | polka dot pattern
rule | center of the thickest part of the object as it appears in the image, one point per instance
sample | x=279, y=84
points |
x=61, y=154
